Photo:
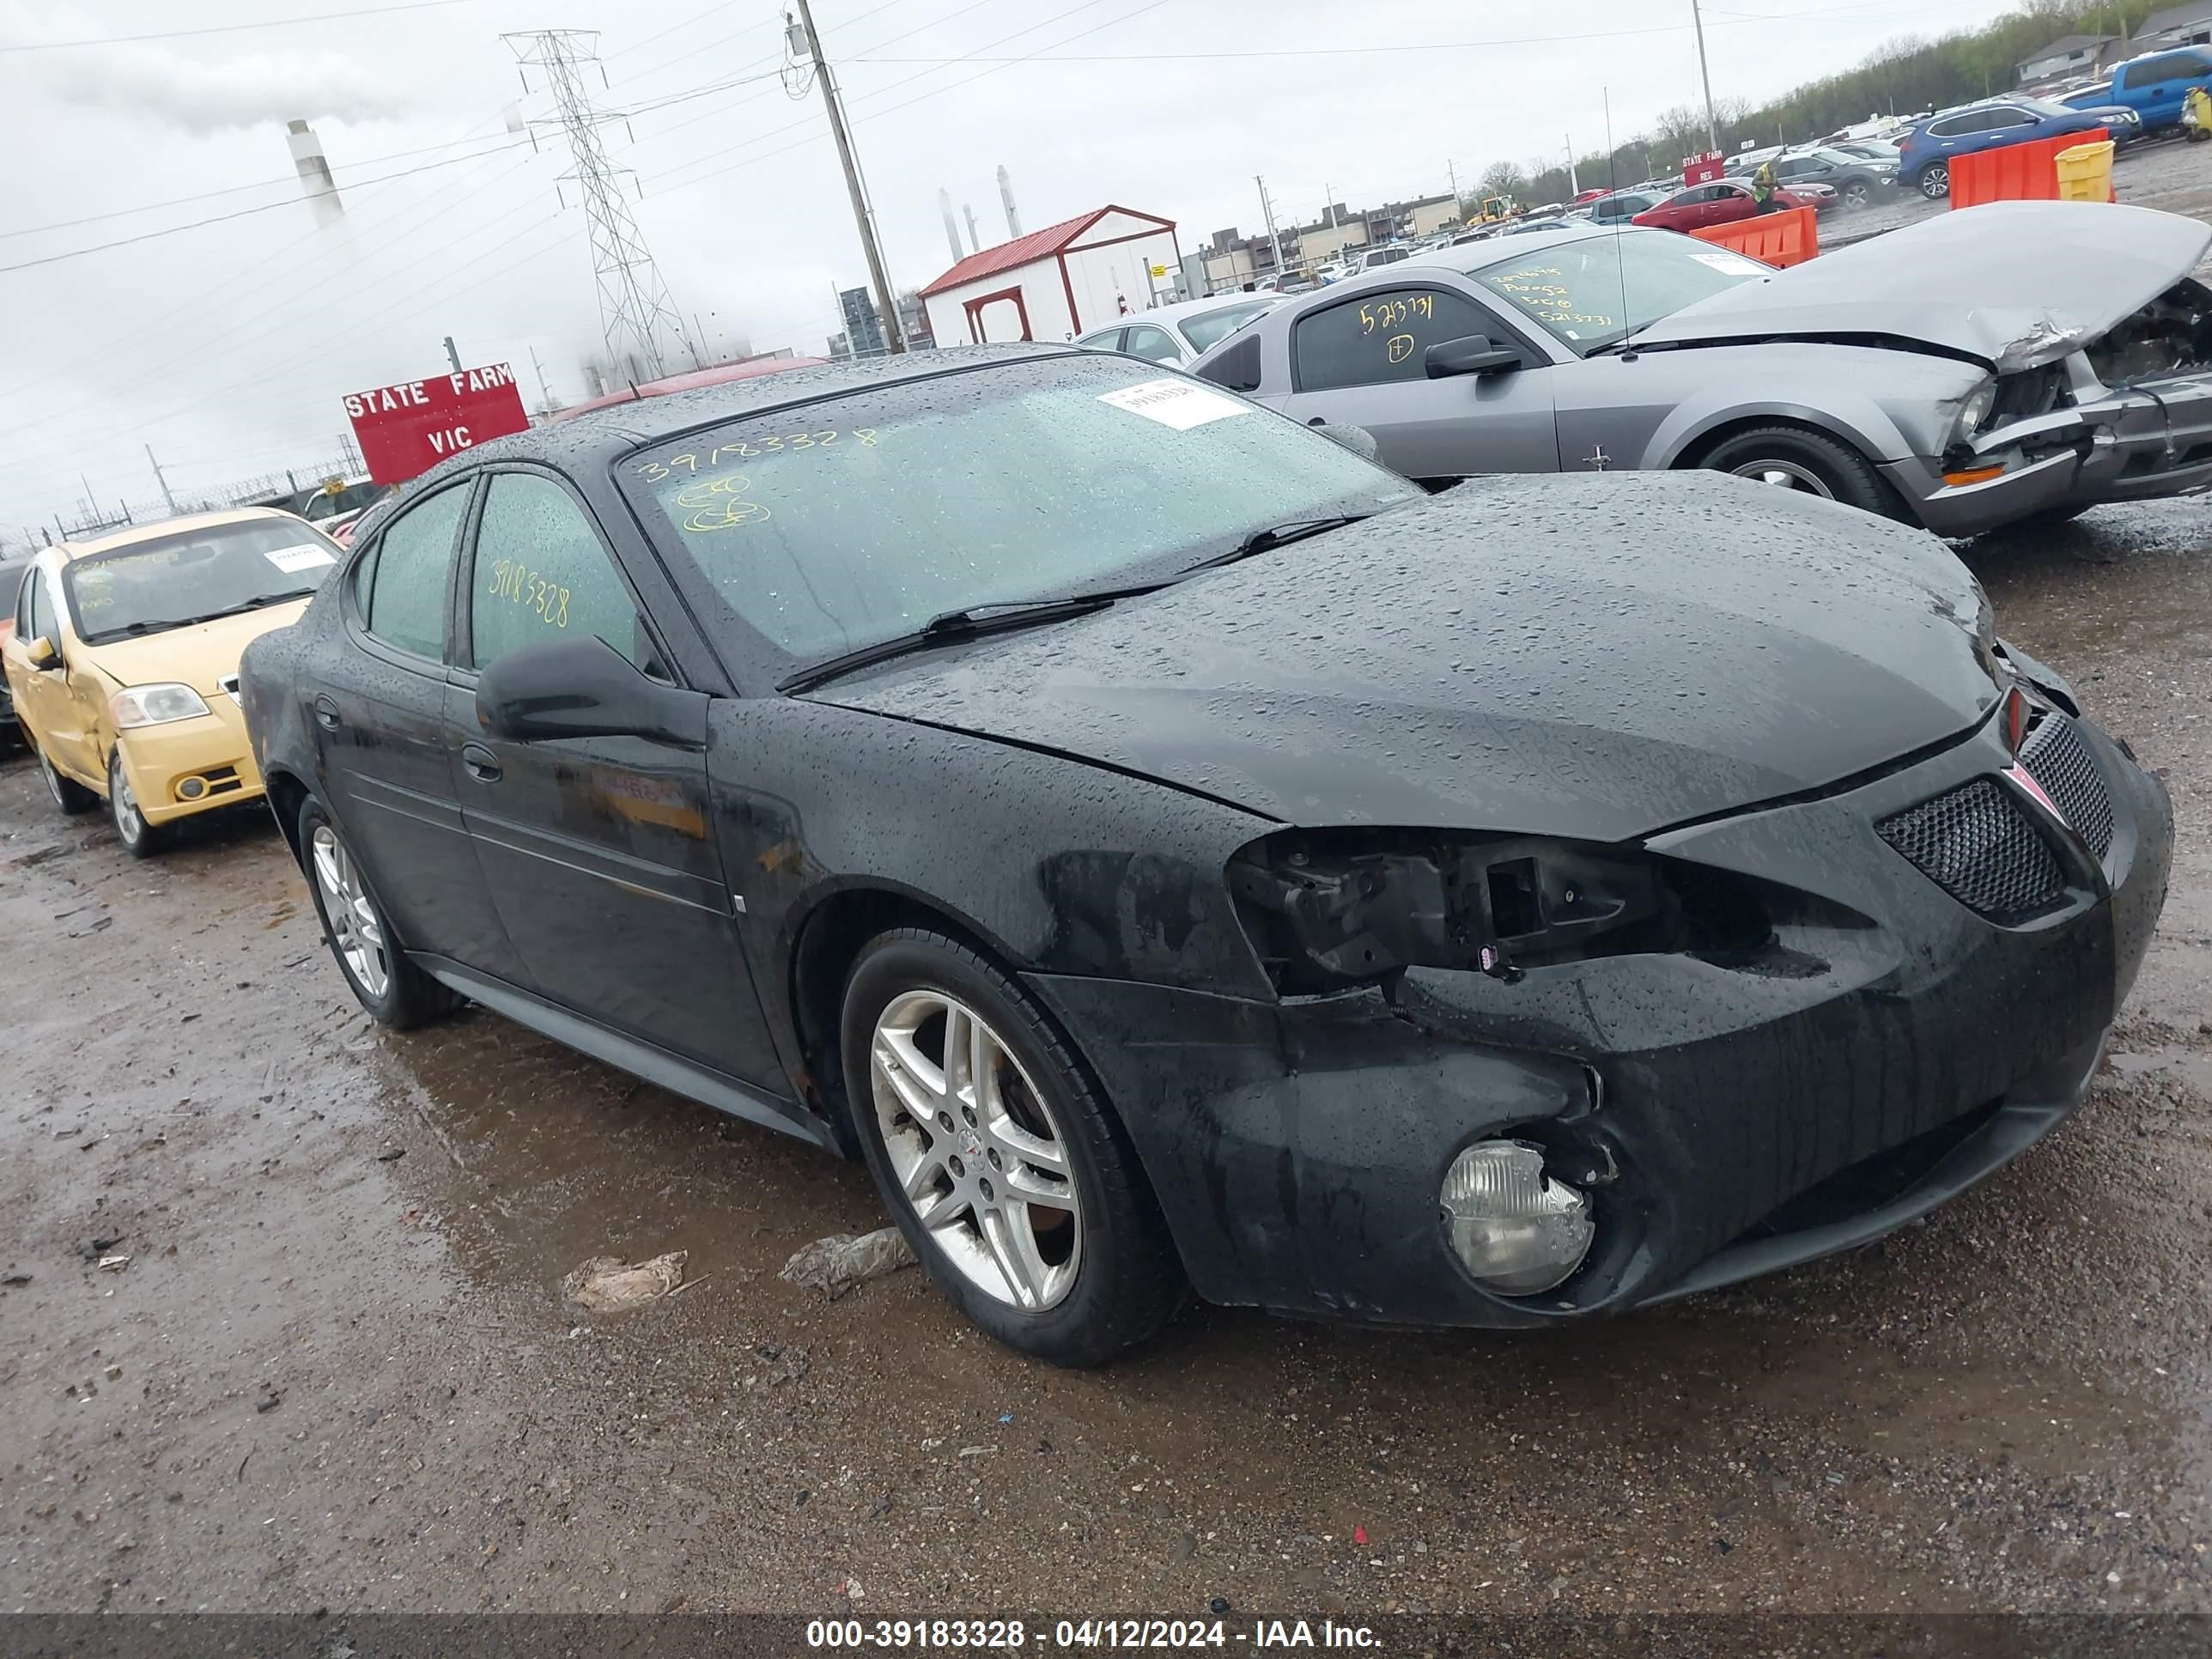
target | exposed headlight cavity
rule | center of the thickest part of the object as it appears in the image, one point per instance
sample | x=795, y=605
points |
x=154, y=705
x=1326, y=908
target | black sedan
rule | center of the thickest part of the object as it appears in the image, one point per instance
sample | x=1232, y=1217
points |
x=1173, y=852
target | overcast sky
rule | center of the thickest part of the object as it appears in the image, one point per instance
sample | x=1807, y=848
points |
x=229, y=346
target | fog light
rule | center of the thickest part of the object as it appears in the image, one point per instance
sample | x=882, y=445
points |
x=191, y=788
x=1519, y=1231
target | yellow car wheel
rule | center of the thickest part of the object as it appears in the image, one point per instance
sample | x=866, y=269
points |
x=140, y=839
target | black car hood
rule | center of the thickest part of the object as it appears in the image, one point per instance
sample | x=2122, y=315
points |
x=2012, y=284
x=1599, y=657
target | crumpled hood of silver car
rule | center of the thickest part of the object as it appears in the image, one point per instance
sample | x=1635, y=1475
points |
x=1599, y=656
x=2013, y=283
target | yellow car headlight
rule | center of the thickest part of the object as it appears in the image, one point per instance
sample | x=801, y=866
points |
x=154, y=705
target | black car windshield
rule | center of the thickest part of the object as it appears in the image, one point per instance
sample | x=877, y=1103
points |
x=836, y=527
x=169, y=582
x=1594, y=292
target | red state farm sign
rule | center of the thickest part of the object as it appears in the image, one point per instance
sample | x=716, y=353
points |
x=406, y=430
x=1703, y=169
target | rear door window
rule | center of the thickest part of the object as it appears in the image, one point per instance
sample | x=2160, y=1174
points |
x=405, y=588
x=1154, y=344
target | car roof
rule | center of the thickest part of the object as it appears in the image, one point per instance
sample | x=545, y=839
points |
x=604, y=433
x=1183, y=308
x=1468, y=258
x=749, y=369
x=130, y=535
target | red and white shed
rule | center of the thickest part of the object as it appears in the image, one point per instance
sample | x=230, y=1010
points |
x=1053, y=283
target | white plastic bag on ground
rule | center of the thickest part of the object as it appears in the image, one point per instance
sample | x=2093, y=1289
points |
x=607, y=1284
x=833, y=1265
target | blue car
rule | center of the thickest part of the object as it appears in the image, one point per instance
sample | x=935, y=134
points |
x=1924, y=160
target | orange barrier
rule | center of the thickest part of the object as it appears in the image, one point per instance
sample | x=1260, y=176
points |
x=2017, y=172
x=1788, y=237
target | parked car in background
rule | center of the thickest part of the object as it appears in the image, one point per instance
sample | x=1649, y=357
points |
x=2025, y=359
x=961, y=794
x=1869, y=149
x=750, y=368
x=1622, y=205
x=1924, y=158
x=2153, y=88
x=1374, y=258
x=124, y=660
x=1723, y=202
x=1178, y=334
x=11, y=581
x=334, y=506
x=1858, y=182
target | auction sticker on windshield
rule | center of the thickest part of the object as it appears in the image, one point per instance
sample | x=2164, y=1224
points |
x=1177, y=403
x=293, y=560
x=1730, y=264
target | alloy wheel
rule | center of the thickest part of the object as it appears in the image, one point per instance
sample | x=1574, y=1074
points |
x=355, y=927
x=975, y=1151
x=1855, y=197
x=1935, y=183
x=1784, y=475
x=123, y=806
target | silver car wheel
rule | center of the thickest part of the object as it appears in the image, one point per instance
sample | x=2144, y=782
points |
x=1785, y=474
x=355, y=927
x=975, y=1149
x=123, y=806
x=1935, y=183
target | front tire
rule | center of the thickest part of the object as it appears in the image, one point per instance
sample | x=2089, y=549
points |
x=1810, y=463
x=1935, y=181
x=392, y=989
x=1858, y=196
x=68, y=793
x=140, y=839
x=1017, y=1187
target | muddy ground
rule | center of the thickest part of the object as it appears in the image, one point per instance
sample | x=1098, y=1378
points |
x=336, y=1371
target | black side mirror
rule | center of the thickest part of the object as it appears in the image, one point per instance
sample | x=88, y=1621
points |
x=1357, y=439
x=1472, y=353
x=584, y=688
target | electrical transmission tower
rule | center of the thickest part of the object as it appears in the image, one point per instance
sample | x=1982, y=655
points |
x=637, y=317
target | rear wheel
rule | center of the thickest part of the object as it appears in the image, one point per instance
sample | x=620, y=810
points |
x=1012, y=1180
x=394, y=991
x=69, y=795
x=1797, y=457
x=140, y=839
x=1935, y=181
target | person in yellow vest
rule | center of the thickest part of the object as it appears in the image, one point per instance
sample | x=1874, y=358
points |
x=1762, y=187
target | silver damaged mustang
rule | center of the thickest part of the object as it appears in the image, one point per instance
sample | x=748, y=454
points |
x=2014, y=361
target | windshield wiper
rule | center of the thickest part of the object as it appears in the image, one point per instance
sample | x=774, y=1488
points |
x=256, y=602
x=970, y=622
x=1278, y=535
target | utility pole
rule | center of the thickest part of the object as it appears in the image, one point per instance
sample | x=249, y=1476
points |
x=1706, y=74
x=1574, y=186
x=167, y=499
x=545, y=392
x=1453, y=172
x=1267, y=212
x=453, y=354
x=802, y=34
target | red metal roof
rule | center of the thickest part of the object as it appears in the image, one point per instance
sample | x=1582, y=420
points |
x=1027, y=250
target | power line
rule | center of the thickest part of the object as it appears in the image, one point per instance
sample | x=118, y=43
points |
x=290, y=181
x=241, y=213
x=231, y=28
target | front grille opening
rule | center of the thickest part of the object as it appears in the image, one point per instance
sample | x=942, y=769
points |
x=1978, y=846
x=2055, y=756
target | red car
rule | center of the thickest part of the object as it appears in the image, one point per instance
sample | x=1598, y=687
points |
x=1723, y=203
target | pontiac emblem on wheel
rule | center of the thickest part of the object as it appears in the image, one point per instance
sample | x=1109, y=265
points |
x=972, y=1143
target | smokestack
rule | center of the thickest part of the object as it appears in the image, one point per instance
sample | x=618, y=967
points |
x=951, y=225
x=314, y=172
x=1006, y=196
x=974, y=246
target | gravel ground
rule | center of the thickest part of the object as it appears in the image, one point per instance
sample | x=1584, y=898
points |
x=336, y=1371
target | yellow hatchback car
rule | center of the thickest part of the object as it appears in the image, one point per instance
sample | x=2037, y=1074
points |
x=124, y=660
